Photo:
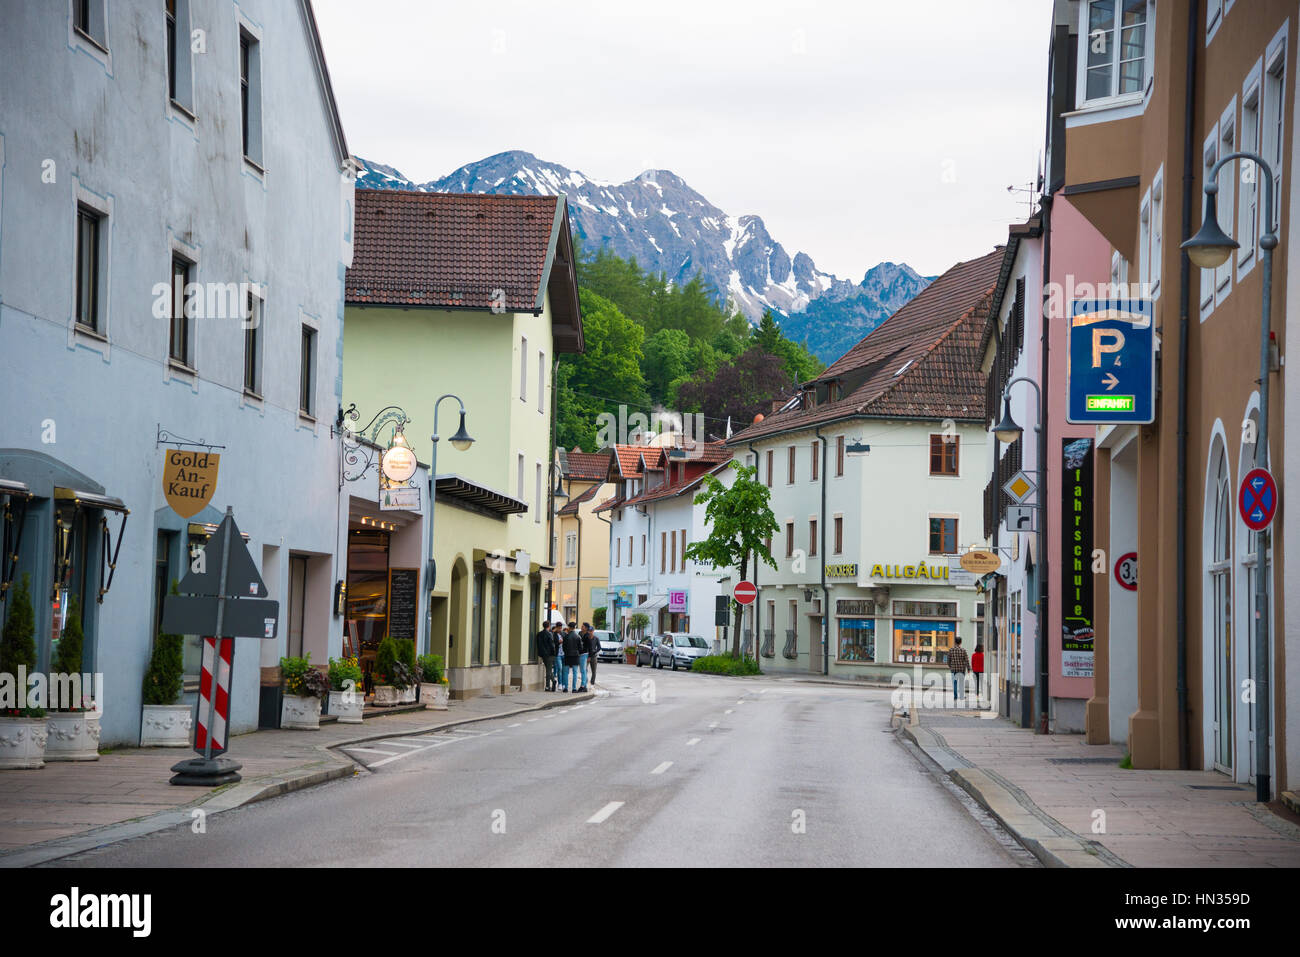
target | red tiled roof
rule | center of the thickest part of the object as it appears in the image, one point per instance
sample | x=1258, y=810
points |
x=587, y=465
x=923, y=362
x=465, y=250
x=678, y=486
x=627, y=459
x=571, y=507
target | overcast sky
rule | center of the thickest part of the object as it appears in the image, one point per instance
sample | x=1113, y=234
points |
x=859, y=131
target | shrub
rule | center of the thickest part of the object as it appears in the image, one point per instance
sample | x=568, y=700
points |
x=598, y=618
x=342, y=670
x=68, y=654
x=726, y=665
x=162, y=679
x=18, y=645
x=431, y=669
x=301, y=679
x=392, y=666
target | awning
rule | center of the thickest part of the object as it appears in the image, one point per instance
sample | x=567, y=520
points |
x=651, y=603
x=466, y=492
x=90, y=500
x=16, y=489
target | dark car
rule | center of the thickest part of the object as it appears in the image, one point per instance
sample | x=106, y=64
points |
x=645, y=649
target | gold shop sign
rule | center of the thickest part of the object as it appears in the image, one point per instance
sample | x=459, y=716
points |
x=189, y=479
x=919, y=570
x=842, y=571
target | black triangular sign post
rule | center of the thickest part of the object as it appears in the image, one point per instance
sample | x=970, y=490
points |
x=242, y=578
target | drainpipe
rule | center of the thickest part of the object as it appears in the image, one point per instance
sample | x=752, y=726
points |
x=758, y=594
x=1184, y=297
x=550, y=503
x=826, y=596
x=1043, y=563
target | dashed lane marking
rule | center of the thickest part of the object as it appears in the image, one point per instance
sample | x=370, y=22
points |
x=604, y=813
x=662, y=768
x=692, y=742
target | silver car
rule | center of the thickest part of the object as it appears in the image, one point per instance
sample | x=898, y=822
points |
x=611, y=649
x=679, y=650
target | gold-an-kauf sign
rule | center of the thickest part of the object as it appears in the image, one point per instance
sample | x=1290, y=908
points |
x=189, y=480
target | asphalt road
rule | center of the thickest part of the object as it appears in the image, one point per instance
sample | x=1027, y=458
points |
x=667, y=770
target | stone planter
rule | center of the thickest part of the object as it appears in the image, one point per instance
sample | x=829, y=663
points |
x=166, y=726
x=300, y=713
x=435, y=696
x=347, y=713
x=386, y=696
x=72, y=736
x=22, y=742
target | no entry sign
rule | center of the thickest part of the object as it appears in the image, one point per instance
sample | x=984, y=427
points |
x=1257, y=499
x=745, y=592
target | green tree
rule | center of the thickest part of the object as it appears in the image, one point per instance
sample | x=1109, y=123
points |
x=599, y=380
x=768, y=335
x=162, y=679
x=17, y=641
x=667, y=357
x=740, y=520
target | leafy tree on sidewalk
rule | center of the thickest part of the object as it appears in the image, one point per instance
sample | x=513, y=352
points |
x=740, y=521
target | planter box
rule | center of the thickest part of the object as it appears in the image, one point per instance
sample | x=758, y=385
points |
x=347, y=713
x=301, y=713
x=22, y=742
x=386, y=696
x=435, y=696
x=72, y=736
x=166, y=726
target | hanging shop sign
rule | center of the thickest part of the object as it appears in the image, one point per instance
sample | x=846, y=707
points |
x=189, y=479
x=399, y=499
x=1076, y=560
x=842, y=571
x=980, y=562
x=920, y=570
x=398, y=463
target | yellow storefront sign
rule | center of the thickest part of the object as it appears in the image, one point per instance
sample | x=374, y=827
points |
x=919, y=570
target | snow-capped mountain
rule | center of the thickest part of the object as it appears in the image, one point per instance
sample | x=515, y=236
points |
x=666, y=226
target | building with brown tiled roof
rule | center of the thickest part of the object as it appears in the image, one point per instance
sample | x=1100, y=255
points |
x=467, y=299
x=581, y=541
x=876, y=473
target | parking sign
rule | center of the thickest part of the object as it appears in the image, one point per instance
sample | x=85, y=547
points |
x=1111, y=363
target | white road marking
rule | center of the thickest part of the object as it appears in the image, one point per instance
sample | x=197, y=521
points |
x=693, y=741
x=465, y=731
x=604, y=813
x=372, y=751
x=401, y=744
x=662, y=768
x=762, y=691
x=741, y=701
x=729, y=711
x=532, y=719
x=713, y=725
x=517, y=724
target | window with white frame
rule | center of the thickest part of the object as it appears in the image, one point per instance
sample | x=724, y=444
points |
x=523, y=368
x=1209, y=156
x=89, y=268
x=541, y=382
x=1274, y=116
x=519, y=480
x=1144, y=243
x=250, y=94
x=570, y=549
x=1118, y=276
x=537, y=494
x=1248, y=201
x=1157, y=230
x=180, y=60
x=1227, y=193
x=1116, y=41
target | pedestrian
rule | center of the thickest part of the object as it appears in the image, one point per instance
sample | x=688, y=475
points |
x=977, y=665
x=574, y=659
x=958, y=664
x=557, y=635
x=546, y=651
x=593, y=648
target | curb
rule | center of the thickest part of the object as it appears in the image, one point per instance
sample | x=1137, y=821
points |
x=241, y=794
x=1030, y=825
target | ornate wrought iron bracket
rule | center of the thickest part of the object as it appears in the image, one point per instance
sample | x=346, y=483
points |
x=171, y=438
x=359, y=448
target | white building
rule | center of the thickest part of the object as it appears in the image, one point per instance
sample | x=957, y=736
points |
x=869, y=540
x=629, y=534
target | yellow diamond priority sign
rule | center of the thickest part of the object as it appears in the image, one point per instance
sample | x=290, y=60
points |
x=1019, y=487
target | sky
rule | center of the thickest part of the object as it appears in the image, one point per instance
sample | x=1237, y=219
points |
x=859, y=131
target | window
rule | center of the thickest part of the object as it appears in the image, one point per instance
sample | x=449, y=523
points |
x=476, y=642
x=1144, y=243
x=494, y=648
x=523, y=369
x=769, y=468
x=1210, y=155
x=537, y=494
x=683, y=549
x=629, y=549
x=943, y=536
x=178, y=348
x=250, y=95
x=663, y=552
x=812, y=537
x=813, y=461
x=1274, y=115
x=943, y=454
x=171, y=48
x=856, y=628
x=790, y=474
x=88, y=20
x=924, y=630
x=1227, y=194
x=839, y=534
x=1157, y=230
x=1248, y=201
x=519, y=479
x=1116, y=41
x=672, y=565
x=789, y=539
x=541, y=382
x=307, y=372
x=570, y=549
x=88, y=238
x=253, y=309
x=839, y=455
x=180, y=85
x=1213, y=17
x=618, y=552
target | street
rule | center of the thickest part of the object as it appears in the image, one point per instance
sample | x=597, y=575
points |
x=665, y=770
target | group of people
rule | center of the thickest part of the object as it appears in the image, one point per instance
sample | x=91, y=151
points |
x=566, y=651
x=959, y=663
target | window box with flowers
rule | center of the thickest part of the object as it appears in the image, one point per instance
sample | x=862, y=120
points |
x=304, y=686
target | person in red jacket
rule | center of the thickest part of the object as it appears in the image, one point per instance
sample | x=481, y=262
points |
x=977, y=666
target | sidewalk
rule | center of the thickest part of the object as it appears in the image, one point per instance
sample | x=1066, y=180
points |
x=67, y=807
x=1052, y=791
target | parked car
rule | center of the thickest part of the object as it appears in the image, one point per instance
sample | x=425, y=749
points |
x=679, y=650
x=645, y=649
x=611, y=649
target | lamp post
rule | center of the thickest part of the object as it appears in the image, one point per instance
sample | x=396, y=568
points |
x=1007, y=431
x=1210, y=249
x=462, y=441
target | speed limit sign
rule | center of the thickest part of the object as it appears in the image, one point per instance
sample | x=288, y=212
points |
x=1126, y=571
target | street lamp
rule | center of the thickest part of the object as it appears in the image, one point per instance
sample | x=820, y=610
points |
x=461, y=441
x=1209, y=249
x=1008, y=431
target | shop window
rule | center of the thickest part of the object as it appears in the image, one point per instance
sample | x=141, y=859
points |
x=924, y=642
x=72, y=530
x=494, y=621
x=476, y=644
x=367, y=596
x=856, y=630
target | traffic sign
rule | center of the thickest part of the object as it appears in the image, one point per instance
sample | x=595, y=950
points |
x=1257, y=499
x=1020, y=518
x=745, y=592
x=1111, y=363
x=1126, y=571
x=1019, y=487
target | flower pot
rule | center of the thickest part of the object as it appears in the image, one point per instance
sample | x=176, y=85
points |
x=386, y=696
x=166, y=726
x=435, y=696
x=72, y=736
x=22, y=742
x=302, y=713
x=348, y=713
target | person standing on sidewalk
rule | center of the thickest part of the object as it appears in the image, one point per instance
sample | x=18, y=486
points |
x=546, y=651
x=574, y=659
x=582, y=653
x=958, y=664
x=977, y=665
x=557, y=635
x=593, y=648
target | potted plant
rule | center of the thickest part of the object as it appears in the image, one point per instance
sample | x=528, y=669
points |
x=434, y=689
x=394, y=673
x=304, y=686
x=22, y=729
x=347, y=700
x=164, y=723
x=73, y=728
